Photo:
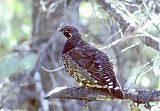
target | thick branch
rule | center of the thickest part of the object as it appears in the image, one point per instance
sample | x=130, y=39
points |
x=88, y=94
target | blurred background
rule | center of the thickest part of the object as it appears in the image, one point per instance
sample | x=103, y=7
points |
x=30, y=43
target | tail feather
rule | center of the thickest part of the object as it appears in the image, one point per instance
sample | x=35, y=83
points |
x=116, y=89
x=117, y=92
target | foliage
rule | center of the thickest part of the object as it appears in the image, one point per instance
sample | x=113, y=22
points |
x=15, y=28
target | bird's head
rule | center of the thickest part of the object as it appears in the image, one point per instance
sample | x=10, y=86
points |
x=69, y=31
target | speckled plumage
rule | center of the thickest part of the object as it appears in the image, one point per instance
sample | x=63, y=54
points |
x=88, y=65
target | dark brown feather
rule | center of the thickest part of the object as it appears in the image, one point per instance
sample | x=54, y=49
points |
x=89, y=66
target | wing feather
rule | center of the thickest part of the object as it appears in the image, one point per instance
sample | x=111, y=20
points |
x=96, y=63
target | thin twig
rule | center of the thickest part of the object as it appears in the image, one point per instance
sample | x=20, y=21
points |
x=145, y=65
x=119, y=41
x=129, y=47
x=52, y=70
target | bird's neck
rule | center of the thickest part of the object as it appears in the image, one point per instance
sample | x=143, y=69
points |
x=71, y=43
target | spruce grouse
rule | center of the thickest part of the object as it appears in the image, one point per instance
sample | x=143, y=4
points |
x=88, y=65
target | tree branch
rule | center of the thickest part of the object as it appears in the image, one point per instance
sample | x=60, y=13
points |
x=140, y=96
x=129, y=27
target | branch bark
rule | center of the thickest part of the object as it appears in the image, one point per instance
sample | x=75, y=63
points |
x=140, y=96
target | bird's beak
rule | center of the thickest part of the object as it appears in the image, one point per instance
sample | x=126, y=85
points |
x=60, y=29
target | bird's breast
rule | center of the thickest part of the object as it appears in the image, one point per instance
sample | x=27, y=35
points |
x=82, y=76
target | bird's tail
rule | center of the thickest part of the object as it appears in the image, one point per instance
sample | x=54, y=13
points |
x=117, y=92
x=116, y=89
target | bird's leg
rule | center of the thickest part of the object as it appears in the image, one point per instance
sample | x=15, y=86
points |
x=85, y=108
x=147, y=105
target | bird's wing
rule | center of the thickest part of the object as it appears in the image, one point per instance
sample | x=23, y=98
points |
x=96, y=63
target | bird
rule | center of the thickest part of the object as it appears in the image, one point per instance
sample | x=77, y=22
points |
x=88, y=65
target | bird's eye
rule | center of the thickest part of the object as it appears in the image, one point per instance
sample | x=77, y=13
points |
x=66, y=31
